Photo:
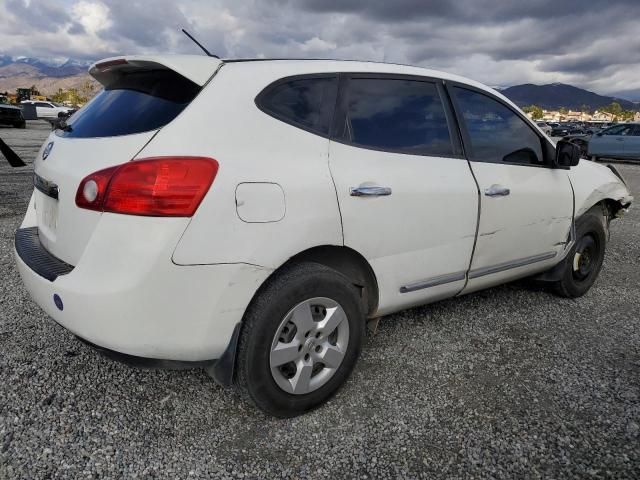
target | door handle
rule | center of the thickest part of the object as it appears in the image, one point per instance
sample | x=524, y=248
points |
x=497, y=191
x=370, y=191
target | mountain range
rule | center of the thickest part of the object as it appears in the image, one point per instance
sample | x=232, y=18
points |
x=50, y=75
x=47, y=76
x=557, y=95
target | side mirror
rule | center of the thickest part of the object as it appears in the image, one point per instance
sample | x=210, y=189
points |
x=567, y=154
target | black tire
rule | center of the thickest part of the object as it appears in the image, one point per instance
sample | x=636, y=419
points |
x=20, y=125
x=263, y=318
x=591, y=240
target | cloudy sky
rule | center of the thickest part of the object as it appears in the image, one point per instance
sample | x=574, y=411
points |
x=595, y=45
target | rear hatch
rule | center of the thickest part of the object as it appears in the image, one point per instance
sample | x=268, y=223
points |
x=140, y=96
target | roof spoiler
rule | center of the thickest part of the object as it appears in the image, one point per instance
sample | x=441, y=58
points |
x=197, y=68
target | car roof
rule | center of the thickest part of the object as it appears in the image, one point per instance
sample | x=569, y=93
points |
x=358, y=66
x=198, y=68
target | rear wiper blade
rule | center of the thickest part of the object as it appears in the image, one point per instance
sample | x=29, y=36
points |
x=11, y=156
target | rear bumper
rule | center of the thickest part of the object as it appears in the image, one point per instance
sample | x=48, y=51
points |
x=133, y=300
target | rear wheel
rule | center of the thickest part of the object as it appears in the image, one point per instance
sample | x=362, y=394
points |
x=300, y=339
x=586, y=257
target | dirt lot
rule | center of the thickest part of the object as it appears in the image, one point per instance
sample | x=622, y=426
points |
x=508, y=383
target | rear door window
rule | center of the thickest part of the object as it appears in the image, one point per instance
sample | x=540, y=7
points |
x=397, y=115
x=303, y=102
x=495, y=132
x=133, y=102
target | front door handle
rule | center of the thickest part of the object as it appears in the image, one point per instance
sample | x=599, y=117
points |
x=370, y=191
x=497, y=191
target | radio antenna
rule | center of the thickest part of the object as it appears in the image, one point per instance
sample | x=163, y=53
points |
x=199, y=44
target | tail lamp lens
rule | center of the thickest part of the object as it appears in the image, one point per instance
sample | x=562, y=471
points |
x=158, y=186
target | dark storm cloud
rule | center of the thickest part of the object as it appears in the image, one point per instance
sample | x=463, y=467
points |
x=500, y=42
x=143, y=22
x=459, y=10
x=555, y=37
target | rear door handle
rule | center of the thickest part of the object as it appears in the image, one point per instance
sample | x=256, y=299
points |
x=497, y=191
x=370, y=191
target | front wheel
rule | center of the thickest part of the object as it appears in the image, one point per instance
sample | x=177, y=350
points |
x=586, y=257
x=300, y=339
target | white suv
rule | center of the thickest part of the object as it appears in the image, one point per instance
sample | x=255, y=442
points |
x=47, y=109
x=248, y=216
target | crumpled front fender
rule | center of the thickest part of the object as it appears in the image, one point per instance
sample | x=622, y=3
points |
x=593, y=183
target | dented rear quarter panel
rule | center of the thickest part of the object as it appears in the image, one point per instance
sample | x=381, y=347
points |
x=593, y=183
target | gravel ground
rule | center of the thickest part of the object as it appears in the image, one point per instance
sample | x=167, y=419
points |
x=507, y=383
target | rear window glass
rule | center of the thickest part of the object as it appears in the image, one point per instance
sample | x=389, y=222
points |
x=306, y=103
x=133, y=102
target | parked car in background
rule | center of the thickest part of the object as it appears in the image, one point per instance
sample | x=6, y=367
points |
x=11, y=114
x=566, y=129
x=49, y=109
x=619, y=141
x=544, y=127
x=249, y=216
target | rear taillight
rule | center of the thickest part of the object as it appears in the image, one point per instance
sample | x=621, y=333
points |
x=158, y=187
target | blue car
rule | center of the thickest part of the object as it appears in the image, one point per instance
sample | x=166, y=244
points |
x=619, y=141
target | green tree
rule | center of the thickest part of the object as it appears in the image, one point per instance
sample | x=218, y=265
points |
x=534, y=110
x=60, y=96
x=615, y=109
x=87, y=91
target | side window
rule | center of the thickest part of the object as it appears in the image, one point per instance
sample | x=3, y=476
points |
x=405, y=116
x=496, y=132
x=617, y=130
x=636, y=131
x=307, y=103
x=627, y=130
x=42, y=104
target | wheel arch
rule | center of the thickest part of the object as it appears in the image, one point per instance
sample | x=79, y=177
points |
x=348, y=262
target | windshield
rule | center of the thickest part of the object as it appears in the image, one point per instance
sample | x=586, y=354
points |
x=132, y=102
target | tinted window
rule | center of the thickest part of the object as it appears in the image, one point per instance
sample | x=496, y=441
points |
x=636, y=131
x=131, y=103
x=495, y=131
x=45, y=105
x=307, y=103
x=398, y=115
x=619, y=130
